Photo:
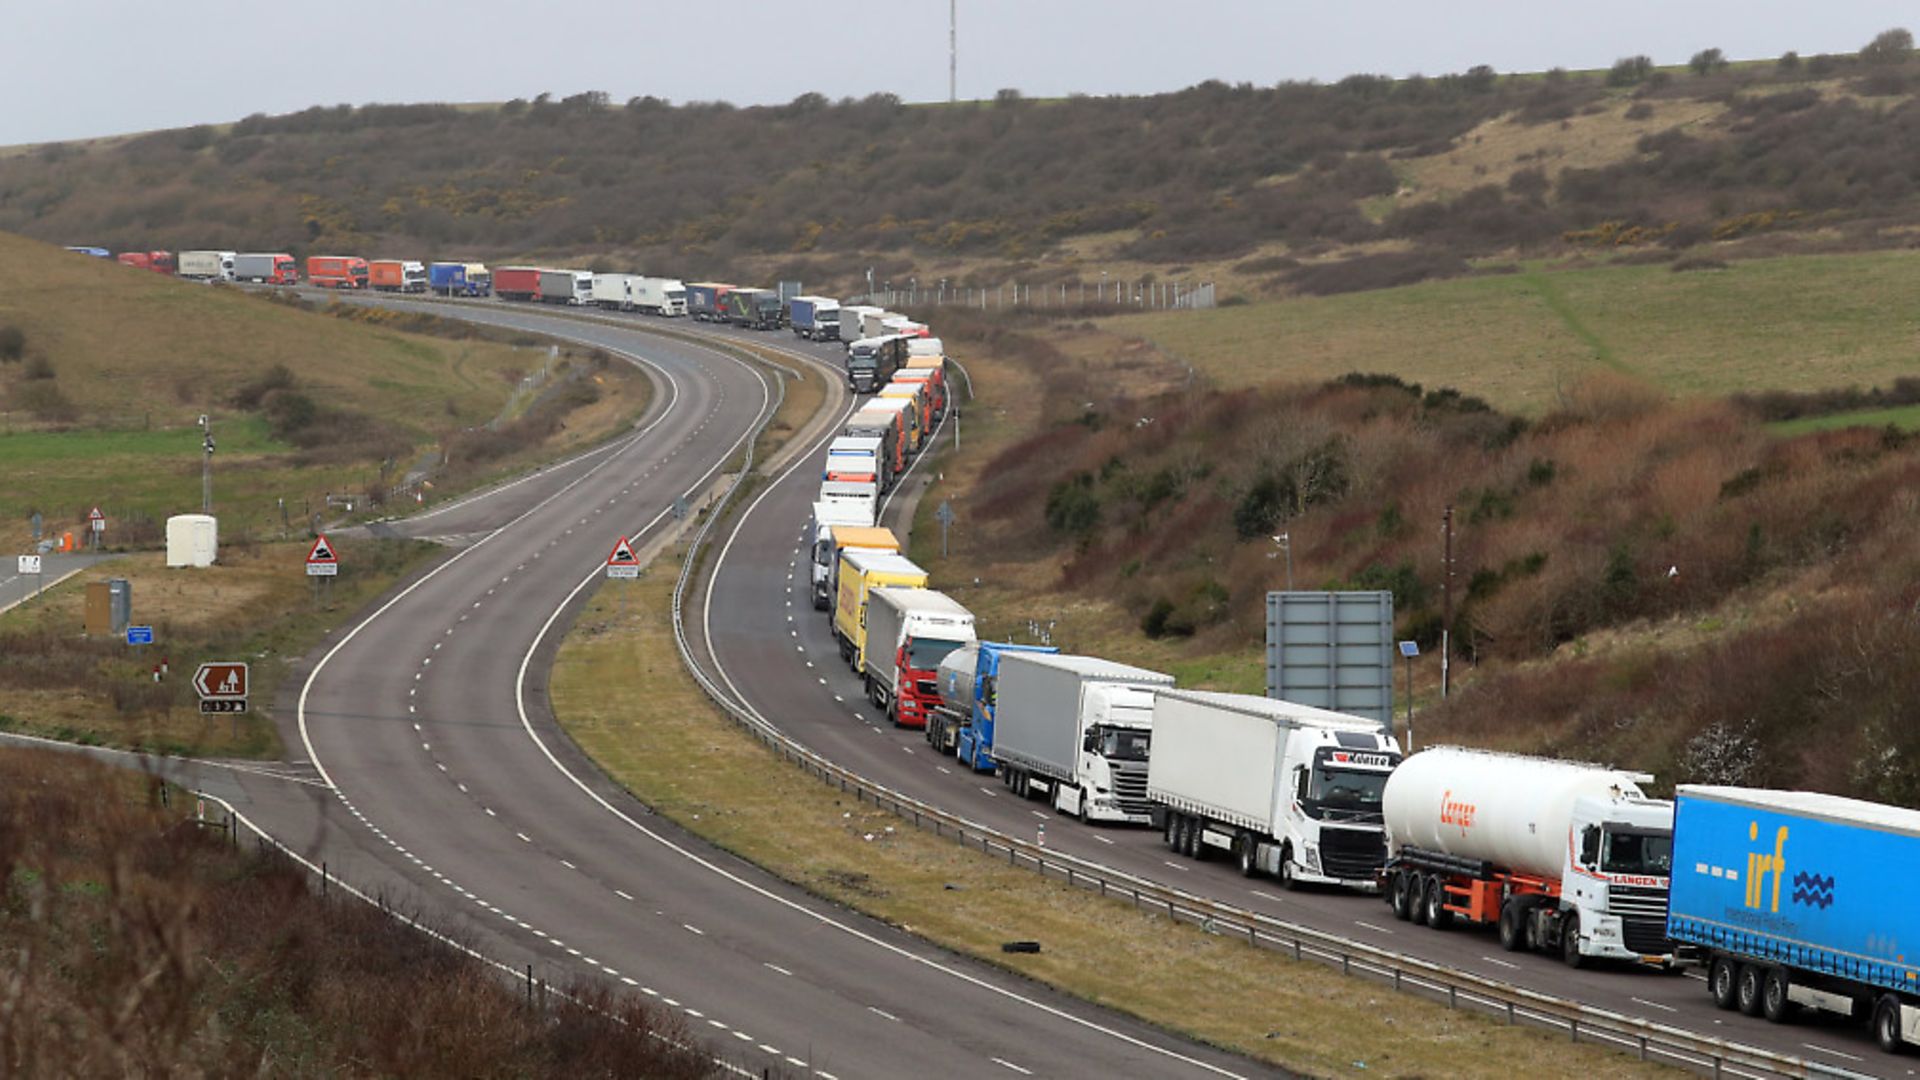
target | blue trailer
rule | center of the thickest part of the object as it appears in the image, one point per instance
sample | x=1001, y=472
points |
x=816, y=318
x=1801, y=900
x=452, y=279
x=962, y=724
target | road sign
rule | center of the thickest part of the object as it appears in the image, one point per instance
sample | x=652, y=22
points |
x=623, y=563
x=96, y=520
x=29, y=564
x=222, y=687
x=321, y=561
x=139, y=635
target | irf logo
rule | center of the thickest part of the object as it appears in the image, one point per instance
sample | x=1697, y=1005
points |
x=1456, y=812
x=1760, y=865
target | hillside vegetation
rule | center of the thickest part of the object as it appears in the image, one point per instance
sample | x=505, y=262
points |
x=1399, y=179
x=134, y=942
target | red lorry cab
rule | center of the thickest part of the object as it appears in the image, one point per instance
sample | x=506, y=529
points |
x=337, y=271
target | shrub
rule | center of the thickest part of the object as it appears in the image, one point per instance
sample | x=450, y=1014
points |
x=1788, y=63
x=251, y=394
x=1888, y=47
x=1629, y=70
x=1640, y=110
x=1072, y=505
x=43, y=399
x=13, y=343
x=1708, y=61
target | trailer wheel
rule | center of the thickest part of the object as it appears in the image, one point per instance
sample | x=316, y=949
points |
x=1245, y=847
x=1748, y=992
x=1775, y=1005
x=1513, y=926
x=1721, y=977
x=1570, y=941
x=1886, y=1024
x=1416, y=897
x=1438, y=917
x=1172, y=831
x=1397, y=896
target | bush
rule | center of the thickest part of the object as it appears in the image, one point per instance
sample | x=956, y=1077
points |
x=13, y=343
x=1788, y=64
x=251, y=394
x=1888, y=47
x=1708, y=61
x=1629, y=70
x=1072, y=505
x=1639, y=110
x=43, y=399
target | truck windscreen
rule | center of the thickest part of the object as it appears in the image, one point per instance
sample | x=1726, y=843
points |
x=1122, y=744
x=925, y=654
x=1336, y=788
x=1649, y=854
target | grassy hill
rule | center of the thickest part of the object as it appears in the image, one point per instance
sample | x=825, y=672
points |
x=1523, y=340
x=1401, y=178
x=109, y=369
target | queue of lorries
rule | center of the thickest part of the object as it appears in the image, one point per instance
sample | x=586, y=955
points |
x=1790, y=900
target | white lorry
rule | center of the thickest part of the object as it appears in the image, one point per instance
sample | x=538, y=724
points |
x=1285, y=789
x=857, y=459
x=666, y=297
x=1077, y=728
x=926, y=346
x=1564, y=857
x=828, y=516
x=909, y=631
x=612, y=291
x=873, y=322
x=846, y=493
x=206, y=265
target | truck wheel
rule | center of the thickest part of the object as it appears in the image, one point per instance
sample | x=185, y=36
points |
x=1416, y=897
x=1438, y=917
x=1201, y=852
x=1570, y=941
x=1747, y=990
x=1246, y=847
x=1287, y=880
x=1722, y=974
x=1513, y=926
x=1398, y=896
x=1886, y=1024
x=1775, y=1005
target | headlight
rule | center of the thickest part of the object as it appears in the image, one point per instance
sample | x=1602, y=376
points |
x=1313, y=859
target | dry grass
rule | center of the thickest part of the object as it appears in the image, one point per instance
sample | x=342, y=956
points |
x=1494, y=151
x=256, y=604
x=677, y=754
x=133, y=943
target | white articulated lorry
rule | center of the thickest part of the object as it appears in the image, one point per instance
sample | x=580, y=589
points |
x=1564, y=857
x=666, y=297
x=206, y=265
x=1286, y=789
x=909, y=631
x=612, y=291
x=1077, y=728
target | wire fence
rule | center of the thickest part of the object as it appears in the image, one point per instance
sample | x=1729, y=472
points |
x=1143, y=294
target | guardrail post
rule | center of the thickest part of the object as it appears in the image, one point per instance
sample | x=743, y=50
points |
x=1573, y=1029
x=1453, y=998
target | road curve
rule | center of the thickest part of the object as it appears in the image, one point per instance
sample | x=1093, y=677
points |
x=754, y=611
x=439, y=776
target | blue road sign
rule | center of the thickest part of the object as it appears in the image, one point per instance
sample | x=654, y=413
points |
x=139, y=635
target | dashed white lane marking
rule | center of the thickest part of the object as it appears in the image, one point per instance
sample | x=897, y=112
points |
x=524, y=837
x=717, y=1024
x=883, y=1014
x=1835, y=1053
x=622, y=895
x=1011, y=1065
x=489, y=811
x=1175, y=865
x=991, y=794
x=1500, y=962
x=944, y=769
x=695, y=929
x=776, y=967
x=766, y=1049
x=1653, y=1005
x=1265, y=896
x=1102, y=839
x=1039, y=815
x=568, y=865
x=1370, y=926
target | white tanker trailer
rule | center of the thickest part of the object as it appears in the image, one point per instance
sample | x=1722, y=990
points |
x=1564, y=857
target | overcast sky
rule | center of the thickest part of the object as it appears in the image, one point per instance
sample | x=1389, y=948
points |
x=80, y=68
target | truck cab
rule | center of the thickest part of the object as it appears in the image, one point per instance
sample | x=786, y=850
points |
x=872, y=361
x=1116, y=736
x=1618, y=867
x=1335, y=832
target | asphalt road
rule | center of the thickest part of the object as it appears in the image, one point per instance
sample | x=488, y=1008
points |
x=431, y=772
x=779, y=656
x=17, y=588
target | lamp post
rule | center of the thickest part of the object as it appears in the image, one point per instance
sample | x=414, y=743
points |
x=1285, y=543
x=206, y=465
x=1409, y=650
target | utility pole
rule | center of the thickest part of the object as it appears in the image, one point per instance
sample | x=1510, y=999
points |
x=953, y=51
x=1446, y=606
x=206, y=465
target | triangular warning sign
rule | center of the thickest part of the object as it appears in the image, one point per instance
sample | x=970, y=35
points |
x=623, y=555
x=322, y=551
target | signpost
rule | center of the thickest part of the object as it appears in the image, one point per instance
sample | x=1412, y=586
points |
x=623, y=563
x=945, y=516
x=31, y=564
x=321, y=560
x=139, y=635
x=222, y=687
